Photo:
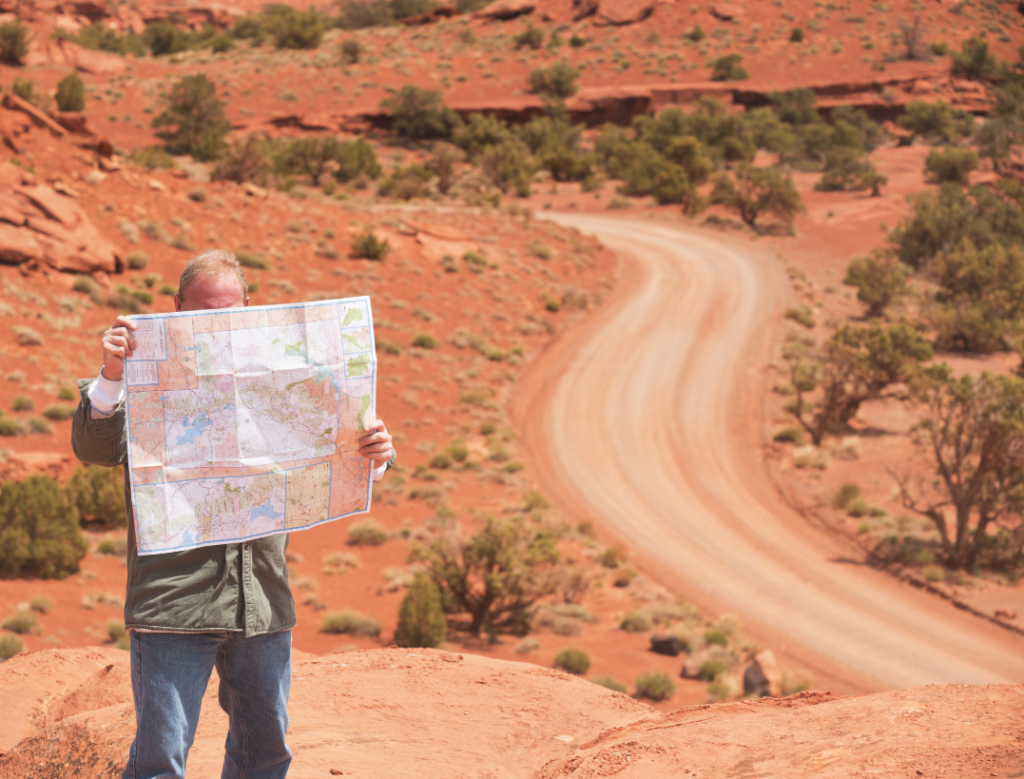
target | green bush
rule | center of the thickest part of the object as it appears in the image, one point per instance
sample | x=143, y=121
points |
x=716, y=636
x=349, y=50
x=221, y=43
x=360, y=14
x=196, y=118
x=152, y=158
x=759, y=190
x=574, y=661
x=802, y=315
x=406, y=183
x=509, y=166
x=846, y=169
x=71, y=93
x=577, y=41
x=39, y=533
x=711, y=670
x=655, y=686
x=98, y=495
x=14, y=39
x=881, y=280
x=365, y=245
x=796, y=35
x=695, y=34
x=137, y=260
x=728, y=68
x=39, y=426
x=99, y=37
x=25, y=88
x=789, y=435
x=532, y=37
x=253, y=260
x=974, y=61
x=243, y=160
x=556, y=82
x=9, y=647
x=421, y=621
x=350, y=623
x=10, y=427
x=951, y=164
x=22, y=403
x=610, y=684
x=59, y=412
x=612, y=557
x=293, y=29
x=420, y=113
x=165, y=37
x=66, y=393
x=636, y=622
x=40, y=604
x=845, y=495
x=21, y=623
x=937, y=122
x=366, y=533
x=478, y=132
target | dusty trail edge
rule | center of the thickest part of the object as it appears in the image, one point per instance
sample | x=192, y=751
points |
x=648, y=418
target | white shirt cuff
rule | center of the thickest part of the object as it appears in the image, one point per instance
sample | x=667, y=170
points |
x=105, y=396
x=378, y=473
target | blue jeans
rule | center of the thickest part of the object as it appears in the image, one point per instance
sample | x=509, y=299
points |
x=170, y=673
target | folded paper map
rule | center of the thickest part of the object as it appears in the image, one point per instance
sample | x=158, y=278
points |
x=244, y=422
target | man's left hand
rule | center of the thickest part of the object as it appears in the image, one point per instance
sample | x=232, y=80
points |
x=376, y=443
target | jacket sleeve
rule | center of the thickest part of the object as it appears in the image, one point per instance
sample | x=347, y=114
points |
x=98, y=441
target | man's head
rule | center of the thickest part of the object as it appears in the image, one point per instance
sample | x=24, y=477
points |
x=214, y=279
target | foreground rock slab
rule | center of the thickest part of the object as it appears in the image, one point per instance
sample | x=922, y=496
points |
x=394, y=713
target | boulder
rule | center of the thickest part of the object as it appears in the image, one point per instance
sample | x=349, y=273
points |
x=430, y=17
x=506, y=9
x=666, y=645
x=691, y=668
x=88, y=61
x=38, y=224
x=583, y=8
x=763, y=677
x=624, y=11
x=72, y=121
x=15, y=103
x=726, y=11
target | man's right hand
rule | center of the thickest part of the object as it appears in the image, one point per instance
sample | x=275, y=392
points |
x=118, y=344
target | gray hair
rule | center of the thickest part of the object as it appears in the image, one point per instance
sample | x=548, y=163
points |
x=209, y=264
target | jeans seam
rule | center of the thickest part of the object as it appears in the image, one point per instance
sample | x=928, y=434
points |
x=244, y=768
x=134, y=756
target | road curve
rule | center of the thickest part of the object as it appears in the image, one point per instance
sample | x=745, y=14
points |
x=649, y=417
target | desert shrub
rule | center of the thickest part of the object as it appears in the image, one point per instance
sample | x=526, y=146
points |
x=795, y=681
x=14, y=39
x=574, y=661
x=365, y=245
x=349, y=50
x=846, y=169
x=366, y=533
x=118, y=635
x=86, y=285
x=854, y=365
x=406, y=183
x=21, y=623
x=350, y=623
x=556, y=82
x=420, y=113
x=195, y=117
x=360, y=14
x=116, y=547
x=880, y=279
x=22, y=403
x=796, y=35
x=38, y=425
x=221, y=43
x=937, y=122
x=714, y=636
x=609, y=683
x=974, y=61
x=532, y=37
x=9, y=647
x=509, y=166
x=151, y=158
x=137, y=260
x=802, y=315
x=58, y=412
x=344, y=159
x=911, y=39
x=98, y=495
x=100, y=37
x=71, y=93
x=293, y=29
x=10, y=427
x=655, y=686
x=249, y=259
x=728, y=68
x=951, y=164
x=695, y=34
x=478, y=132
x=789, y=435
x=496, y=576
x=40, y=604
x=421, y=621
x=555, y=144
x=166, y=37
x=197, y=195
x=577, y=41
x=25, y=88
x=636, y=622
x=612, y=557
x=39, y=533
x=711, y=670
x=756, y=191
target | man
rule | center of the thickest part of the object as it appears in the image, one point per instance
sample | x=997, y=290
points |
x=227, y=606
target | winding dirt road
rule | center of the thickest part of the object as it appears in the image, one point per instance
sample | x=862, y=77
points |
x=649, y=417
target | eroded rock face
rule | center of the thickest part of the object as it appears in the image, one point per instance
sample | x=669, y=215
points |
x=38, y=224
x=624, y=11
x=506, y=9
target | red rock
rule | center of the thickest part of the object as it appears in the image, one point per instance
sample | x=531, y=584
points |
x=441, y=12
x=98, y=62
x=72, y=121
x=726, y=11
x=38, y=118
x=583, y=8
x=624, y=11
x=506, y=9
x=67, y=24
x=763, y=677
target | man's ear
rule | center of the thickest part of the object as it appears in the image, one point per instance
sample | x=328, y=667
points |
x=246, y=300
x=177, y=302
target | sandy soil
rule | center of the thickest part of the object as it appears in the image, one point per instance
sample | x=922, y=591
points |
x=393, y=713
x=655, y=410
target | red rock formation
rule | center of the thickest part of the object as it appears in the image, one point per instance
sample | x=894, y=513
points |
x=623, y=11
x=506, y=9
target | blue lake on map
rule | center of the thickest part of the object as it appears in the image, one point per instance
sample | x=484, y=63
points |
x=265, y=510
x=193, y=429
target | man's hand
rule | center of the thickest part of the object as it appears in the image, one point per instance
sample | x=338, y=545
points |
x=376, y=444
x=118, y=344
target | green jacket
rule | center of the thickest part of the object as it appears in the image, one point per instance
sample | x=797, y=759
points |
x=230, y=587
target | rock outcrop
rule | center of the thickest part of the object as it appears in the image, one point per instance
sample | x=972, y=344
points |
x=390, y=713
x=38, y=224
x=506, y=9
x=623, y=11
